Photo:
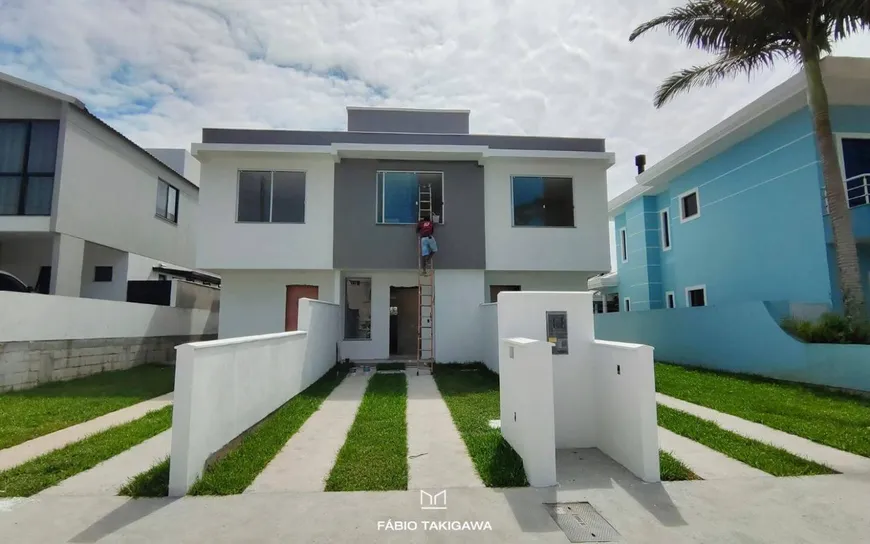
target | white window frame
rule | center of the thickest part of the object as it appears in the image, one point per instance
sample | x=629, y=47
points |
x=680, y=198
x=378, y=179
x=623, y=250
x=272, y=196
x=169, y=189
x=696, y=288
x=839, y=137
x=665, y=224
x=626, y=304
x=544, y=176
x=671, y=297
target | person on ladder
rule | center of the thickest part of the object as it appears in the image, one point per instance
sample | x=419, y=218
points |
x=428, y=246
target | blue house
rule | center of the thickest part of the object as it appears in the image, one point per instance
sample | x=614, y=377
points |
x=739, y=214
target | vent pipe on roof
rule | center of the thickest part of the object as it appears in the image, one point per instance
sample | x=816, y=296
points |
x=640, y=162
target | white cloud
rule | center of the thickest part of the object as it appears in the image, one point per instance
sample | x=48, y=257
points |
x=161, y=70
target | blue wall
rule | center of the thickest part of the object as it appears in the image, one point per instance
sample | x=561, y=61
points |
x=739, y=337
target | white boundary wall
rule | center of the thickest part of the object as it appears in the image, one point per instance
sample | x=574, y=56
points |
x=29, y=317
x=224, y=387
x=602, y=394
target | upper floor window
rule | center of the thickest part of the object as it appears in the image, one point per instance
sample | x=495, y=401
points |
x=856, y=168
x=696, y=296
x=271, y=197
x=623, y=247
x=540, y=201
x=167, y=201
x=28, y=153
x=404, y=197
x=665, y=218
x=690, y=206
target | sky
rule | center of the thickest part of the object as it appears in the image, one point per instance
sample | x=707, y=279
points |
x=161, y=70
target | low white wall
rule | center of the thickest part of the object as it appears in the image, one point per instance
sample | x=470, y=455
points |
x=50, y=317
x=224, y=387
x=625, y=403
x=527, y=418
x=489, y=335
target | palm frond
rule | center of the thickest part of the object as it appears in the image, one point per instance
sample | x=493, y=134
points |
x=726, y=66
x=705, y=24
x=845, y=17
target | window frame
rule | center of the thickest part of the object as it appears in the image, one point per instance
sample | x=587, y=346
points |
x=347, y=281
x=839, y=137
x=623, y=245
x=702, y=288
x=25, y=174
x=168, y=194
x=573, y=224
x=272, y=196
x=665, y=225
x=670, y=300
x=626, y=304
x=380, y=202
x=683, y=196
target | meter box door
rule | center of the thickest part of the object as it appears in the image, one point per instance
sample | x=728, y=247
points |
x=557, y=332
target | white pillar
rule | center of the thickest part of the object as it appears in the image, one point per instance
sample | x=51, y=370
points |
x=603, y=302
x=66, y=265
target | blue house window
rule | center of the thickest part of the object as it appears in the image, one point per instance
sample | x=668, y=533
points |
x=398, y=197
x=28, y=152
x=856, y=164
x=542, y=201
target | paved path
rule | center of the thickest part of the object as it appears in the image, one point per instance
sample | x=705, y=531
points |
x=437, y=457
x=108, y=477
x=841, y=461
x=304, y=463
x=707, y=463
x=23, y=452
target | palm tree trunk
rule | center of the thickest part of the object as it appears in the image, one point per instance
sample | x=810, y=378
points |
x=841, y=219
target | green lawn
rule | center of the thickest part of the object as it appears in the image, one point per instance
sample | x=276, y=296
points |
x=233, y=473
x=473, y=400
x=154, y=482
x=35, y=412
x=836, y=419
x=751, y=452
x=375, y=454
x=58, y=465
x=673, y=470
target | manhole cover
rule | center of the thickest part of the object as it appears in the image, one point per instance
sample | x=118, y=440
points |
x=582, y=523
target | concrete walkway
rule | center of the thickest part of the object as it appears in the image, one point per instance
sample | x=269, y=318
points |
x=108, y=477
x=841, y=461
x=707, y=463
x=304, y=463
x=437, y=457
x=26, y=451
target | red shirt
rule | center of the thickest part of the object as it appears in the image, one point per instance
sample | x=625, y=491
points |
x=425, y=228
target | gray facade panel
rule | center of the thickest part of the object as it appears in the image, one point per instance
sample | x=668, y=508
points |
x=304, y=137
x=361, y=244
x=408, y=121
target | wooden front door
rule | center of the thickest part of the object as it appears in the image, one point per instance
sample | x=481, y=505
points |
x=291, y=312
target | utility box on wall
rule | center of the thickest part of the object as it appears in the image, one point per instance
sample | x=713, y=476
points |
x=557, y=332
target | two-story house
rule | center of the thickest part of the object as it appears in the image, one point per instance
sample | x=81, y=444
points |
x=332, y=215
x=84, y=210
x=739, y=214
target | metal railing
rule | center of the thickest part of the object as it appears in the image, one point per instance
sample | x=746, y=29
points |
x=857, y=191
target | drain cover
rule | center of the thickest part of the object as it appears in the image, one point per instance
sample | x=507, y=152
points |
x=582, y=523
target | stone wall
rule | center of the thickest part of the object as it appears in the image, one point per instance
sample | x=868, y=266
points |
x=27, y=364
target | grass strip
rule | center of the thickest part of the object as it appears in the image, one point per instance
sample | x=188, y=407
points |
x=154, y=482
x=233, y=473
x=835, y=419
x=374, y=456
x=672, y=470
x=756, y=454
x=27, y=414
x=50, y=469
x=472, y=395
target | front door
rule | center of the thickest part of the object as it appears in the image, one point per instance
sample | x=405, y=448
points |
x=291, y=311
x=407, y=307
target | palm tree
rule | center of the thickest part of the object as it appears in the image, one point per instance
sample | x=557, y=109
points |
x=749, y=35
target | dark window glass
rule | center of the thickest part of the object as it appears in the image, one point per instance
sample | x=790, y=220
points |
x=399, y=197
x=543, y=201
x=255, y=196
x=167, y=201
x=690, y=205
x=13, y=142
x=623, y=245
x=8, y=283
x=43, y=147
x=27, y=166
x=666, y=230
x=856, y=156
x=288, y=197
x=670, y=300
x=697, y=297
x=627, y=305
x=10, y=191
x=39, y=193
x=102, y=273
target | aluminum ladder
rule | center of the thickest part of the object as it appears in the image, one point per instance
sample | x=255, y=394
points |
x=425, y=290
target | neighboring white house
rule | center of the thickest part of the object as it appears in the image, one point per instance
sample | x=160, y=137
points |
x=83, y=210
x=332, y=215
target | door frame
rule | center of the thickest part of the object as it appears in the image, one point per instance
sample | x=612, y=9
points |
x=295, y=314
